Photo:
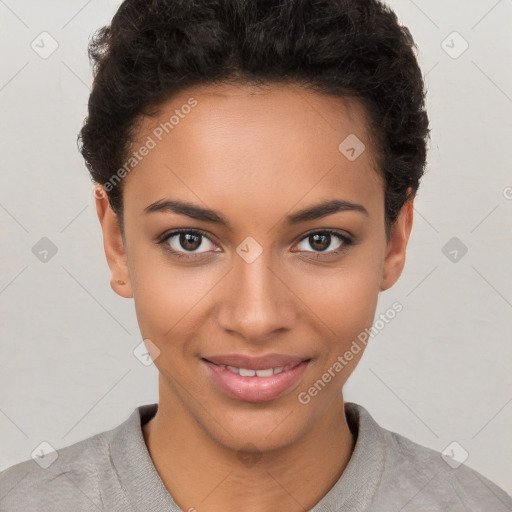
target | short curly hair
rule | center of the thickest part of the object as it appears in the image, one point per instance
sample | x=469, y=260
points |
x=154, y=49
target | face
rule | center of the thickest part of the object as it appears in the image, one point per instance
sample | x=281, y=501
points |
x=251, y=280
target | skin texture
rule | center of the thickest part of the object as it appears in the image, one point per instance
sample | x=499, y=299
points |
x=255, y=156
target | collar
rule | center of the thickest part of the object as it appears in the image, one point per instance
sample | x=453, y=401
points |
x=146, y=492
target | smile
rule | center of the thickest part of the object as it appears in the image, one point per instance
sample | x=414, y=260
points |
x=255, y=385
x=247, y=372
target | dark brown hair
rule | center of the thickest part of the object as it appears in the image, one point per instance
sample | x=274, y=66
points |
x=155, y=48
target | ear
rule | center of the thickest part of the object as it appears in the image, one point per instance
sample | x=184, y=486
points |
x=113, y=244
x=395, y=255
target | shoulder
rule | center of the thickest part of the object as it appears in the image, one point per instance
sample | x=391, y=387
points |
x=404, y=475
x=66, y=479
x=424, y=478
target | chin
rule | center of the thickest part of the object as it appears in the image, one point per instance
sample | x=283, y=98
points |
x=255, y=429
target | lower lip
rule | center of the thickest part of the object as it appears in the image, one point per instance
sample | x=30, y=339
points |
x=255, y=389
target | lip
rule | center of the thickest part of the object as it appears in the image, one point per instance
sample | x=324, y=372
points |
x=255, y=389
x=255, y=363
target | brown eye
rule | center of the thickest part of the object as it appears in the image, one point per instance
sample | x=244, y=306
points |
x=320, y=242
x=327, y=241
x=185, y=243
x=189, y=241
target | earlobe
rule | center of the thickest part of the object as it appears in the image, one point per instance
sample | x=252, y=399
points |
x=113, y=244
x=395, y=254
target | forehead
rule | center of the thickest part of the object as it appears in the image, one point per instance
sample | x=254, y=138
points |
x=264, y=111
x=249, y=147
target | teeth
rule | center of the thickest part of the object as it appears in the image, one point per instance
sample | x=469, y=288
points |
x=265, y=373
x=246, y=372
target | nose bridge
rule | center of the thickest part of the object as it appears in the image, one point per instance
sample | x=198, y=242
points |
x=258, y=303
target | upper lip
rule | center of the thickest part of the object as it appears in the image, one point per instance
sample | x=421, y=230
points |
x=256, y=363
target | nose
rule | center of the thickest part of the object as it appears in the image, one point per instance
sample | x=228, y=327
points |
x=257, y=301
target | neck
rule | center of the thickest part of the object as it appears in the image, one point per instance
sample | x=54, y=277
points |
x=201, y=474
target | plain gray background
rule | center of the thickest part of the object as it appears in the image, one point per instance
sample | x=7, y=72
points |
x=439, y=372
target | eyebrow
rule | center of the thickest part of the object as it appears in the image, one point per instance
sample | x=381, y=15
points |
x=205, y=214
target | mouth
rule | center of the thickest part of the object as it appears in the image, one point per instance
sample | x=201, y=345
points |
x=255, y=380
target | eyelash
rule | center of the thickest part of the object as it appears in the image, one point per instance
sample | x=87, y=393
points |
x=347, y=242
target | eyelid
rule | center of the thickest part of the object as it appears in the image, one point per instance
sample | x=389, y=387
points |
x=176, y=231
x=344, y=235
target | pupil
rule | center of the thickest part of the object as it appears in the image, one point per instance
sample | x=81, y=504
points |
x=323, y=245
x=186, y=241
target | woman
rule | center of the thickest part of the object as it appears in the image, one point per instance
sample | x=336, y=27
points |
x=256, y=165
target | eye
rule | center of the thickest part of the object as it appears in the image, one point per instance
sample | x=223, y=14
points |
x=321, y=241
x=185, y=243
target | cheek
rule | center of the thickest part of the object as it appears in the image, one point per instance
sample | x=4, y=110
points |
x=345, y=302
x=344, y=298
x=165, y=294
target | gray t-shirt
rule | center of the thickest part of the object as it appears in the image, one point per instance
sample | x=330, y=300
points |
x=113, y=471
